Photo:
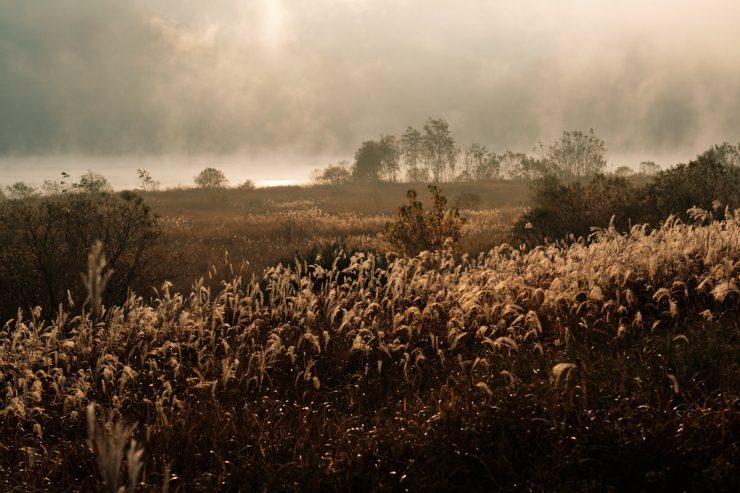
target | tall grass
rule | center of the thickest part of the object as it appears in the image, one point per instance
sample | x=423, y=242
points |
x=607, y=365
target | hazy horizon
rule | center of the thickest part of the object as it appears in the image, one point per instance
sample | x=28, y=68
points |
x=172, y=171
x=285, y=86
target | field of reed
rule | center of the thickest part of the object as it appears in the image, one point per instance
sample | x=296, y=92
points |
x=204, y=231
x=609, y=365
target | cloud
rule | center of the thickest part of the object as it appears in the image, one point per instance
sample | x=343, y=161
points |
x=167, y=76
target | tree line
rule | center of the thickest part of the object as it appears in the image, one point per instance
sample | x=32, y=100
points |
x=431, y=154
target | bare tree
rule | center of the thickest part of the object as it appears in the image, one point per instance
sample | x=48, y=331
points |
x=577, y=154
x=146, y=182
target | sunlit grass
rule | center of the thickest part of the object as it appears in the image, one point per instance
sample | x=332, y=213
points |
x=612, y=364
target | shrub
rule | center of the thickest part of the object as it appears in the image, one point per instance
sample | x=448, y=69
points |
x=697, y=184
x=44, y=247
x=334, y=174
x=561, y=210
x=415, y=229
x=20, y=191
x=93, y=183
x=246, y=185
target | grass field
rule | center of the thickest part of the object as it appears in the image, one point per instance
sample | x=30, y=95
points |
x=268, y=225
x=611, y=366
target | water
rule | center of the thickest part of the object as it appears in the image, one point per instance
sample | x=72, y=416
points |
x=170, y=171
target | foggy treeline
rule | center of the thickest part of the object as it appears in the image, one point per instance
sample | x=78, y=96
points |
x=432, y=154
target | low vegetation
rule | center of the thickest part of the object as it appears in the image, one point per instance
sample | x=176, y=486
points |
x=590, y=345
x=415, y=230
x=570, y=210
x=45, y=243
x=608, y=365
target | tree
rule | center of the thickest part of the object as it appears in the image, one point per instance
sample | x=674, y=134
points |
x=725, y=153
x=246, y=185
x=520, y=166
x=510, y=165
x=146, y=182
x=418, y=175
x=560, y=210
x=411, y=146
x=415, y=229
x=624, y=171
x=368, y=161
x=473, y=158
x=44, y=247
x=391, y=155
x=577, y=154
x=334, y=174
x=649, y=168
x=438, y=148
x=52, y=187
x=211, y=178
x=479, y=163
x=376, y=159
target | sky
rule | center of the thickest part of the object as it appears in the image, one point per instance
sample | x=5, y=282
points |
x=287, y=85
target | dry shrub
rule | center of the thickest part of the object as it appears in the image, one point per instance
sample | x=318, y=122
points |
x=415, y=229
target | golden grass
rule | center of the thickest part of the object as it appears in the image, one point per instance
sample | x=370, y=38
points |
x=259, y=228
x=591, y=366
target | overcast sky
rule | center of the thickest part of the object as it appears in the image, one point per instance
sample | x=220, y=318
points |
x=317, y=77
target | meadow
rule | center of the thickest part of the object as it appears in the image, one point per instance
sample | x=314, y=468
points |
x=217, y=231
x=609, y=363
x=591, y=366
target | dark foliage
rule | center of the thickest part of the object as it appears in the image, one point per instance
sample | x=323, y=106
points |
x=569, y=211
x=696, y=184
x=44, y=246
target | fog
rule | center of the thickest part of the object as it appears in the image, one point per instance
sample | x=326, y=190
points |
x=284, y=86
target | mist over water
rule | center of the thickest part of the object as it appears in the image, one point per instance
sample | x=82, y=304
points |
x=178, y=171
x=170, y=171
x=303, y=80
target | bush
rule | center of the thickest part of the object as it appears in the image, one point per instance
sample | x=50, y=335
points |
x=44, y=247
x=334, y=174
x=415, y=229
x=697, y=184
x=246, y=185
x=93, y=183
x=19, y=191
x=562, y=210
